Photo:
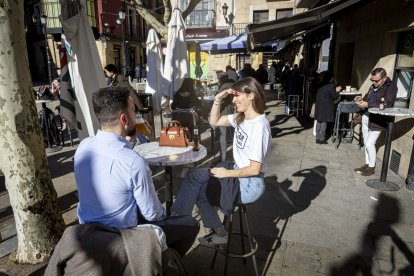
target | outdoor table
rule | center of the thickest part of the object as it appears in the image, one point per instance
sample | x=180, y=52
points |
x=168, y=157
x=347, y=95
x=44, y=120
x=392, y=112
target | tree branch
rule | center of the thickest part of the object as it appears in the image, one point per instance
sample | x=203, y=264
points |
x=191, y=6
x=151, y=20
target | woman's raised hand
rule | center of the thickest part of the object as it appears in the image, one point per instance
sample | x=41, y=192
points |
x=220, y=96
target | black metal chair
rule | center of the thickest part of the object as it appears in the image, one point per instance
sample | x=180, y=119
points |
x=227, y=252
x=343, y=127
x=188, y=118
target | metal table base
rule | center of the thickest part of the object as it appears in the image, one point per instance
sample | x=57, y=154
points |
x=382, y=185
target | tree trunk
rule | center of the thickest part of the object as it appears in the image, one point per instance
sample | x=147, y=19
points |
x=39, y=223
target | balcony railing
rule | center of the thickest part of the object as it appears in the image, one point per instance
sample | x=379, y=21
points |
x=238, y=28
x=201, y=19
x=52, y=11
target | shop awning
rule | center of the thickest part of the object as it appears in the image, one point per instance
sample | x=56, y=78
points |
x=260, y=33
x=238, y=44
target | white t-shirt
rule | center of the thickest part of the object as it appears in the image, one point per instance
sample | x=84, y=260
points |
x=252, y=141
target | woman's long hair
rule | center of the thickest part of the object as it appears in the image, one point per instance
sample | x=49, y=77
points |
x=251, y=85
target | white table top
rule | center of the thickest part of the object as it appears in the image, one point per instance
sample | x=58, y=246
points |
x=169, y=156
x=354, y=93
x=42, y=101
x=207, y=98
x=392, y=111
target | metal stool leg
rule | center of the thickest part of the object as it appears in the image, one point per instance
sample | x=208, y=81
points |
x=226, y=261
x=250, y=241
x=241, y=232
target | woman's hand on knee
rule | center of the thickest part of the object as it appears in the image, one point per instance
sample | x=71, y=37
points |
x=219, y=172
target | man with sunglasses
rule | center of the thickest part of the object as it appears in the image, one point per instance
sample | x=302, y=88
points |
x=372, y=124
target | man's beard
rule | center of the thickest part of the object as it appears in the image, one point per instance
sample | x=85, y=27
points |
x=132, y=131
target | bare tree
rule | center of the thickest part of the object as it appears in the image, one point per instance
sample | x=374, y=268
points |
x=162, y=27
x=39, y=222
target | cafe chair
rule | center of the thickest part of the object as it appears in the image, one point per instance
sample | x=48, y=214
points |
x=189, y=118
x=91, y=249
x=63, y=125
x=343, y=128
x=227, y=251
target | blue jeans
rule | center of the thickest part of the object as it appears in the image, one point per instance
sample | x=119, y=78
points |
x=193, y=192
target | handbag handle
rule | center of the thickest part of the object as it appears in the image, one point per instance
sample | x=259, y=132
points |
x=173, y=123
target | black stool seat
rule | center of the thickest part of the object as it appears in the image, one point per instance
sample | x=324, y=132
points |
x=225, y=251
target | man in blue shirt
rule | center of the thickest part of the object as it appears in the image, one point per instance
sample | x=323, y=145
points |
x=114, y=183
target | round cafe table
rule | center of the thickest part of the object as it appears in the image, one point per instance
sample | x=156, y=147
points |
x=349, y=96
x=392, y=112
x=168, y=157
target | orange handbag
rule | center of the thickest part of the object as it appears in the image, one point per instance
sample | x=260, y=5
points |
x=174, y=135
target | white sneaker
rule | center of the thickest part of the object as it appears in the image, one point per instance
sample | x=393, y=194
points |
x=212, y=239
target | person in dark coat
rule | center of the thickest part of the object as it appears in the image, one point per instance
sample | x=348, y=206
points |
x=324, y=105
x=372, y=124
x=262, y=76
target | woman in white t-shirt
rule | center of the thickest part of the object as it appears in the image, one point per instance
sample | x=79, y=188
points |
x=251, y=145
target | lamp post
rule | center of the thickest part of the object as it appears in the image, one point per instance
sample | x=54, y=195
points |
x=229, y=18
x=120, y=20
x=105, y=35
x=43, y=21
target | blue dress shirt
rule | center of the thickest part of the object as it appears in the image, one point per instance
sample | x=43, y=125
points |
x=114, y=183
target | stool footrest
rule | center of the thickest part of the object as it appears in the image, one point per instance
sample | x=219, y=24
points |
x=221, y=249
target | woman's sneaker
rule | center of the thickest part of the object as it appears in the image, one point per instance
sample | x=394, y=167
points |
x=212, y=239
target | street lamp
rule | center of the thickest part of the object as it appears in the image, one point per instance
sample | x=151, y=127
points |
x=105, y=35
x=43, y=21
x=120, y=20
x=225, y=9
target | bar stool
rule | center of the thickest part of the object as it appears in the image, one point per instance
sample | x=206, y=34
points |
x=252, y=241
x=294, y=105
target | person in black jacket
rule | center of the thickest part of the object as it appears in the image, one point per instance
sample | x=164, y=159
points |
x=324, y=105
x=262, y=76
x=372, y=124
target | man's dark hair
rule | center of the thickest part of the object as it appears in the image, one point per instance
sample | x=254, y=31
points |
x=380, y=71
x=111, y=68
x=108, y=102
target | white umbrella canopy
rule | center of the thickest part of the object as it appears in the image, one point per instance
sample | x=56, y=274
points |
x=154, y=69
x=84, y=67
x=176, y=60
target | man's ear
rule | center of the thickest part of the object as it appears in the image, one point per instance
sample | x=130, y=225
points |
x=123, y=118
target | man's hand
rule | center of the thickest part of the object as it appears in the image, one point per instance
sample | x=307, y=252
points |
x=362, y=104
x=357, y=98
x=218, y=172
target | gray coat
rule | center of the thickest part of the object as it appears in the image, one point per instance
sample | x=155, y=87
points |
x=324, y=105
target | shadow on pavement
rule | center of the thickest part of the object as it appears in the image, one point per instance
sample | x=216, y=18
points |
x=387, y=213
x=61, y=163
x=305, y=123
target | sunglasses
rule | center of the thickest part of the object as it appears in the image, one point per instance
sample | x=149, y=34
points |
x=376, y=81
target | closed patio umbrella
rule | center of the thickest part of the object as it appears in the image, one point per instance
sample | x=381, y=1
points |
x=176, y=60
x=84, y=67
x=154, y=70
